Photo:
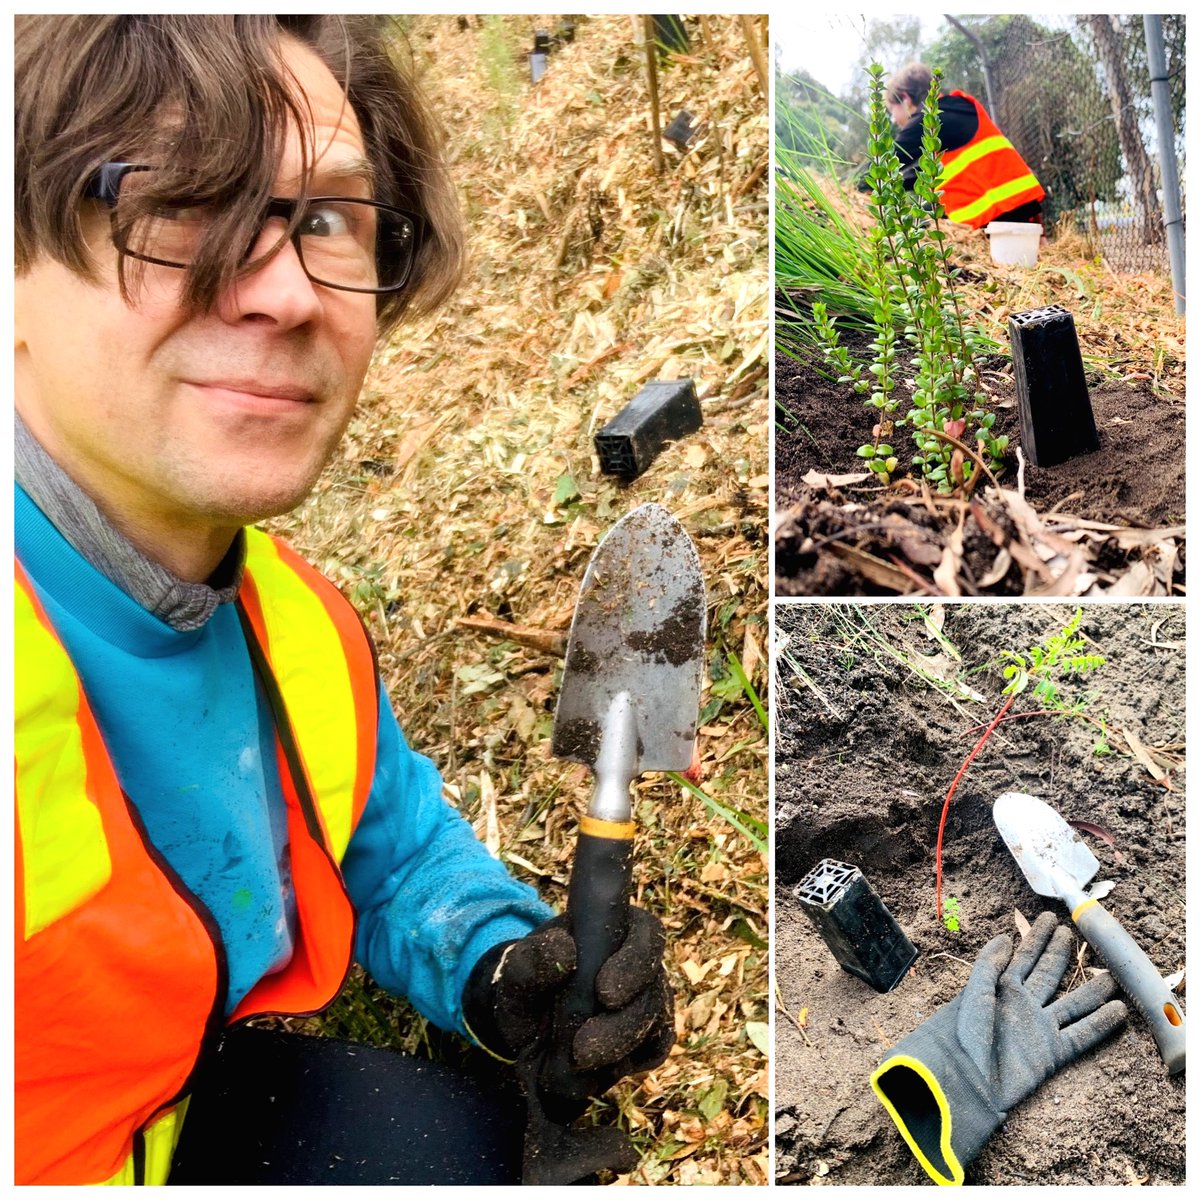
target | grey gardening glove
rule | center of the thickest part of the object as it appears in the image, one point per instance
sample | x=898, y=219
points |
x=950, y=1084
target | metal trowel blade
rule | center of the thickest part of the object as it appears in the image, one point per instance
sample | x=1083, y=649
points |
x=1049, y=852
x=639, y=631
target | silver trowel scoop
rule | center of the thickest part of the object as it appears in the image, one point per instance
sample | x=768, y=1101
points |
x=629, y=703
x=1057, y=863
x=635, y=658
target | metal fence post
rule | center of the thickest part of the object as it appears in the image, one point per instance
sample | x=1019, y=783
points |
x=1159, y=93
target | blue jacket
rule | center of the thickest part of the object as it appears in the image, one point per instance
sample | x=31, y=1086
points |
x=192, y=741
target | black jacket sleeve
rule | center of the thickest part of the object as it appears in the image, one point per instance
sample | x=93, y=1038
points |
x=959, y=126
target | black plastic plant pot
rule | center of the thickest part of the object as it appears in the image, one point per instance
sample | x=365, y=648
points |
x=856, y=924
x=1052, y=397
x=680, y=131
x=541, y=41
x=663, y=411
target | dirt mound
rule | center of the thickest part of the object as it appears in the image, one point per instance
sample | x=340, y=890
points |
x=1134, y=481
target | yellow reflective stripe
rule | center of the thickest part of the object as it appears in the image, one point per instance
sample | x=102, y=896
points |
x=310, y=667
x=974, y=154
x=957, y=1174
x=1005, y=190
x=161, y=1139
x=64, y=851
x=1082, y=909
x=124, y=1177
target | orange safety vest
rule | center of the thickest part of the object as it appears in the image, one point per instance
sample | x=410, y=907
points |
x=985, y=178
x=120, y=970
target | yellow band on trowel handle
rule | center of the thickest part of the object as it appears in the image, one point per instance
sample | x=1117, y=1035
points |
x=1082, y=909
x=595, y=827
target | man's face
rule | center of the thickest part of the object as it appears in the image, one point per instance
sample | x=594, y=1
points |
x=180, y=424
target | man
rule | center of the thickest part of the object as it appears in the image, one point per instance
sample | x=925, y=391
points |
x=983, y=177
x=216, y=811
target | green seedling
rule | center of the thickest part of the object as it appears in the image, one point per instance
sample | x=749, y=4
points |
x=950, y=914
x=1035, y=671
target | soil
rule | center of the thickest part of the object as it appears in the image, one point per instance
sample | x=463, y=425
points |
x=1135, y=479
x=865, y=787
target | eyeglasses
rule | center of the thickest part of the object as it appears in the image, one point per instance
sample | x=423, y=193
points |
x=348, y=244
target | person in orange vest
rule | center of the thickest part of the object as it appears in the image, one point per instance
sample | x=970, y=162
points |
x=984, y=178
x=216, y=812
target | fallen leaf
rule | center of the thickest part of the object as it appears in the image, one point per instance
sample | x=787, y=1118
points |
x=999, y=568
x=916, y=546
x=1143, y=755
x=1129, y=539
x=945, y=574
x=1139, y=580
x=694, y=971
x=751, y=654
x=815, y=479
x=1100, y=832
x=1020, y=922
x=876, y=570
x=759, y=1033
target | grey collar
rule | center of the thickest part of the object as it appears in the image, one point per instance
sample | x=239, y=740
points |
x=182, y=605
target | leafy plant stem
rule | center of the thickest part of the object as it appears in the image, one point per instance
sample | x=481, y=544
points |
x=942, y=435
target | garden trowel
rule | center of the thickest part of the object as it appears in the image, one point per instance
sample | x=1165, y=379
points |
x=629, y=703
x=1057, y=863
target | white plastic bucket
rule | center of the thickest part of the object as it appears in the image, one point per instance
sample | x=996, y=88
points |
x=1014, y=243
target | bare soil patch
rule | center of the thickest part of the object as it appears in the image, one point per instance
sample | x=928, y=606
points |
x=864, y=754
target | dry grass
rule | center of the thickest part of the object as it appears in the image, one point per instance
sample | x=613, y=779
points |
x=467, y=487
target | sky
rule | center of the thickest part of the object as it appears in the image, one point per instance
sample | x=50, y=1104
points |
x=828, y=46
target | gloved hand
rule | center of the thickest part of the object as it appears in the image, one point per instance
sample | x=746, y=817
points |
x=950, y=1083
x=509, y=1002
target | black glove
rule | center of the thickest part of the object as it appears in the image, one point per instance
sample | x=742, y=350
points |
x=509, y=1001
x=950, y=1083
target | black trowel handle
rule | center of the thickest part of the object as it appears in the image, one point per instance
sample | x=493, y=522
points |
x=598, y=913
x=598, y=901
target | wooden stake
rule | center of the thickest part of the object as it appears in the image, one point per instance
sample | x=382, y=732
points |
x=756, y=53
x=652, y=79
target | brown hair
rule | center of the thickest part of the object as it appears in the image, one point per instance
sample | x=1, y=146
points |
x=209, y=101
x=912, y=81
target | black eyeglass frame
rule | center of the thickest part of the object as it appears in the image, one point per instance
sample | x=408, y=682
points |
x=105, y=186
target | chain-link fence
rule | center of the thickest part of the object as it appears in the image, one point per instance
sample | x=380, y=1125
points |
x=1073, y=95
